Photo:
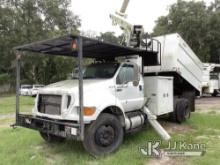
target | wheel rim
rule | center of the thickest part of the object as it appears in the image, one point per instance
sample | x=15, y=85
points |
x=105, y=135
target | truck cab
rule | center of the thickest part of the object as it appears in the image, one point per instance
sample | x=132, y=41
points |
x=211, y=79
x=105, y=85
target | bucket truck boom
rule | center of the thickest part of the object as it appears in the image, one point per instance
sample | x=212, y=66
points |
x=132, y=33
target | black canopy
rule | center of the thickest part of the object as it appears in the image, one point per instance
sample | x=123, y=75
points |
x=92, y=48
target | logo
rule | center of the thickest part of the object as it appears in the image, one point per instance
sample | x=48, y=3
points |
x=174, y=149
x=151, y=149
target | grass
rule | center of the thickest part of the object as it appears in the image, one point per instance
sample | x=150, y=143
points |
x=7, y=104
x=24, y=146
x=208, y=132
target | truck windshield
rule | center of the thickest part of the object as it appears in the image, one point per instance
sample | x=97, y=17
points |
x=100, y=71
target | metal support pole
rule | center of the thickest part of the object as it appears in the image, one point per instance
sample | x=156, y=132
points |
x=18, y=66
x=81, y=109
x=124, y=6
x=155, y=124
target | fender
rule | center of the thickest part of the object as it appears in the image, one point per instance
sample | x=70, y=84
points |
x=102, y=103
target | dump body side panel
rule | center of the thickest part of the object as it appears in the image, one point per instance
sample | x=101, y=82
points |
x=177, y=56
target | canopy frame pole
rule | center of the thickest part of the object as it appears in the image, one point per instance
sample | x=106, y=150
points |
x=80, y=74
x=18, y=68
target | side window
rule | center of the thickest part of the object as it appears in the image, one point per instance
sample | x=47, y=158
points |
x=126, y=74
x=121, y=78
x=130, y=73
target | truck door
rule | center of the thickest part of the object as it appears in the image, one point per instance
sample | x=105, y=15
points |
x=129, y=89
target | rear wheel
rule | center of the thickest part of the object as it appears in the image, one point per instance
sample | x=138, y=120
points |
x=104, y=135
x=215, y=94
x=181, y=111
x=51, y=138
x=190, y=96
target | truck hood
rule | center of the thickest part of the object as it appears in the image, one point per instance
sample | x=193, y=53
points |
x=72, y=86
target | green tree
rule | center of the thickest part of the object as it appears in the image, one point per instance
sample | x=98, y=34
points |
x=109, y=37
x=214, y=31
x=6, y=24
x=25, y=21
x=192, y=20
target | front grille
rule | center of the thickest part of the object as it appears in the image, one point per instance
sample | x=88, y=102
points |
x=50, y=104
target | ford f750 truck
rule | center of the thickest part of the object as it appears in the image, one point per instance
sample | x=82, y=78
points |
x=124, y=88
x=110, y=97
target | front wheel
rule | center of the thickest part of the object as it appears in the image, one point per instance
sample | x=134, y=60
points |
x=104, y=135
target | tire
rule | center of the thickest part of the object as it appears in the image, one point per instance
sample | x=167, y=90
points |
x=181, y=111
x=51, y=138
x=190, y=96
x=187, y=110
x=214, y=94
x=104, y=135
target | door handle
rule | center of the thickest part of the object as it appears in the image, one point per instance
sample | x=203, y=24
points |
x=140, y=87
x=119, y=89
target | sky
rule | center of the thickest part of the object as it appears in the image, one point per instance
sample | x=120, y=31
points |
x=94, y=14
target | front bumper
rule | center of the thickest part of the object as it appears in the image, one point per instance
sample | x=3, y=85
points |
x=59, y=128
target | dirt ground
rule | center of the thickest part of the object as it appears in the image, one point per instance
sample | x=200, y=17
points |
x=208, y=100
x=208, y=104
x=205, y=104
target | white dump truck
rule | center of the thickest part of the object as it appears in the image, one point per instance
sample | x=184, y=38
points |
x=124, y=88
x=211, y=79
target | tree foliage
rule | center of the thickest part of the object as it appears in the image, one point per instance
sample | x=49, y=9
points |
x=109, y=37
x=25, y=21
x=197, y=23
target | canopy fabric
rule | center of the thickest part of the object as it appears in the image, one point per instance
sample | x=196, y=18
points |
x=92, y=48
